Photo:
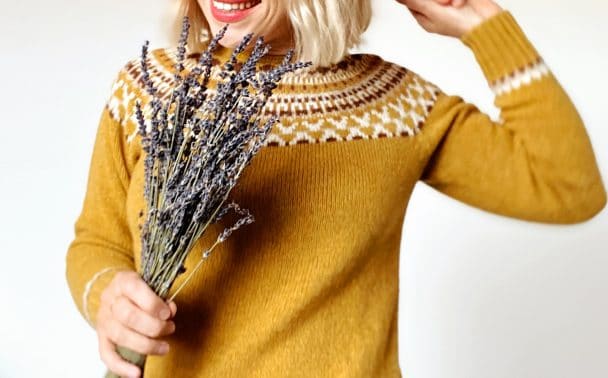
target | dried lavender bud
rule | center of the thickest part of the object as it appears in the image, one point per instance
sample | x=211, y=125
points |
x=144, y=69
x=246, y=219
x=181, y=48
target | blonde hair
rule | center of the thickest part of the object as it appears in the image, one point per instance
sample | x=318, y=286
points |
x=323, y=30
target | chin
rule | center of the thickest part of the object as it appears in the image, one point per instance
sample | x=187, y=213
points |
x=232, y=39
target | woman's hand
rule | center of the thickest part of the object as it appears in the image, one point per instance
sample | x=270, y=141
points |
x=132, y=315
x=453, y=18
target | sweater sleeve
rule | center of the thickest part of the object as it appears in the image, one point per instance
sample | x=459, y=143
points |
x=102, y=244
x=536, y=163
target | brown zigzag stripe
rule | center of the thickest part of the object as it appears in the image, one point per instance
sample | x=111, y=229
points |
x=380, y=81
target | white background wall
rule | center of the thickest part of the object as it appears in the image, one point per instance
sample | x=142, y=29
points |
x=481, y=295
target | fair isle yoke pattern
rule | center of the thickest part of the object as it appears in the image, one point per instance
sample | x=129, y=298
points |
x=362, y=97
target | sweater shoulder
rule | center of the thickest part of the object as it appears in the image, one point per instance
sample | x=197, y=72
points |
x=361, y=97
x=410, y=96
x=407, y=77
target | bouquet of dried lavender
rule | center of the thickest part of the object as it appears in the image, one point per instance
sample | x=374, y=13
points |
x=196, y=145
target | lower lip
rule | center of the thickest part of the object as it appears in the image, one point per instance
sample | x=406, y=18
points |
x=230, y=15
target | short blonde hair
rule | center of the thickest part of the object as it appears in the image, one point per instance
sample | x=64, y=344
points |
x=324, y=30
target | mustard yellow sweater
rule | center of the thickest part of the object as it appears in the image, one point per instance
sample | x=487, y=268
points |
x=310, y=289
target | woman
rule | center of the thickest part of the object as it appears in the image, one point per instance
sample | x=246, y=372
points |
x=311, y=288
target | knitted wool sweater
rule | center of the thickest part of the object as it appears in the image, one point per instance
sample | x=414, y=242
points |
x=310, y=289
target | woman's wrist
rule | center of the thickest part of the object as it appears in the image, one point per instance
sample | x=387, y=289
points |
x=450, y=17
x=484, y=12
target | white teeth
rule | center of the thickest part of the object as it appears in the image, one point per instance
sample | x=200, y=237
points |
x=234, y=6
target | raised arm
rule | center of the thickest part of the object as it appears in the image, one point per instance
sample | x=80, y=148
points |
x=536, y=163
x=102, y=243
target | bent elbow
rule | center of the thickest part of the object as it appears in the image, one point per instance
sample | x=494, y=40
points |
x=584, y=205
x=563, y=199
x=592, y=205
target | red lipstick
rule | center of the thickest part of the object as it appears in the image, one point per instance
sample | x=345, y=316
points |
x=230, y=11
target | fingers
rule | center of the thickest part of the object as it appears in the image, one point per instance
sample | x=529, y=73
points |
x=133, y=287
x=454, y=3
x=114, y=362
x=140, y=321
x=121, y=335
x=427, y=7
x=420, y=6
x=423, y=20
x=173, y=307
x=130, y=315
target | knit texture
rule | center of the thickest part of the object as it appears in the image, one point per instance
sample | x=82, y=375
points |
x=311, y=288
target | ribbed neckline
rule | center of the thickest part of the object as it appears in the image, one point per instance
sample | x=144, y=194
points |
x=223, y=54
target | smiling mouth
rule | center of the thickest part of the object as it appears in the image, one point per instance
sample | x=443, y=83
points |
x=234, y=6
x=230, y=11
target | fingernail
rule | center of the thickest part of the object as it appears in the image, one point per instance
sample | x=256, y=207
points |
x=164, y=314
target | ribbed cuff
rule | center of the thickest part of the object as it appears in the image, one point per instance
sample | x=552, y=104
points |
x=500, y=46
